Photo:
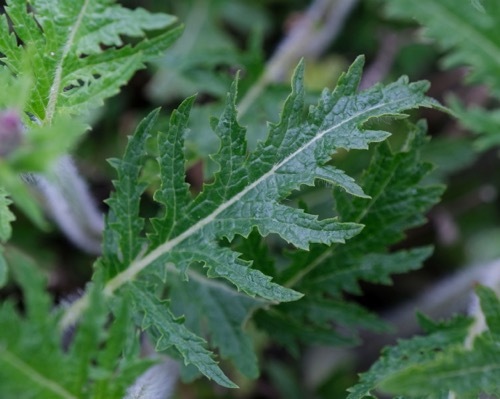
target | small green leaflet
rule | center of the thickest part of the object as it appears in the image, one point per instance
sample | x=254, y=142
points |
x=413, y=352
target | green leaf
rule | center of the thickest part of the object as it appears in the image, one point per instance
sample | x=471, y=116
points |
x=465, y=372
x=433, y=365
x=393, y=182
x=475, y=43
x=174, y=191
x=248, y=193
x=412, y=354
x=71, y=57
x=247, y=190
x=6, y=216
x=77, y=50
x=92, y=359
x=122, y=241
x=398, y=201
x=173, y=333
x=490, y=306
x=214, y=310
x=193, y=64
x=484, y=122
x=475, y=40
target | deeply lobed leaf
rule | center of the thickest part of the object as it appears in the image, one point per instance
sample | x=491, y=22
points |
x=248, y=194
x=76, y=49
x=393, y=181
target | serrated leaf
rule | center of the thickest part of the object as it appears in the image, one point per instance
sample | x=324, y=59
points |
x=414, y=352
x=475, y=41
x=172, y=332
x=468, y=373
x=174, y=191
x=433, y=365
x=248, y=193
x=122, y=241
x=214, y=310
x=77, y=52
x=393, y=183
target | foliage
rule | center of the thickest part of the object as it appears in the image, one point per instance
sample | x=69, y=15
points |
x=211, y=276
x=246, y=194
x=72, y=58
x=475, y=43
x=434, y=365
x=99, y=362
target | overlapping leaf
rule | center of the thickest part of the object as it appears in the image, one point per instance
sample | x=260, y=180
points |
x=247, y=194
x=476, y=35
x=76, y=50
x=393, y=181
x=432, y=366
x=59, y=59
x=474, y=42
x=248, y=189
x=99, y=363
x=214, y=310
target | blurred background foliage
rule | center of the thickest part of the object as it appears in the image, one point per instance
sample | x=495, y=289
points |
x=226, y=39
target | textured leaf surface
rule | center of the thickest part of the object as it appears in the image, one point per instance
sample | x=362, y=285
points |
x=220, y=313
x=468, y=372
x=59, y=59
x=248, y=194
x=393, y=181
x=431, y=366
x=122, y=241
x=172, y=332
x=77, y=50
x=414, y=352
